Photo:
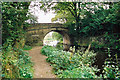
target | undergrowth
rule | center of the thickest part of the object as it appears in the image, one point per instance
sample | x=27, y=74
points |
x=68, y=65
x=16, y=63
x=78, y=65
x=26, y=47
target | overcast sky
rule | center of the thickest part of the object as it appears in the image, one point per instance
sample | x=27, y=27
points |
x=40, y=14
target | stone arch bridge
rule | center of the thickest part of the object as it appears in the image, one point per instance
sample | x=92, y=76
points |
x=36, y=33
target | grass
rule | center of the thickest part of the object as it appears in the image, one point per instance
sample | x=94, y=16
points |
x=26, y=47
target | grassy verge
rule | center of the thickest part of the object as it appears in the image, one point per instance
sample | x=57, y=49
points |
x=26, y=47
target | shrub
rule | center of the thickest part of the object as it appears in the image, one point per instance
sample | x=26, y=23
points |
x=66, y=64
x=111, y=67
x=16, y=63
x=47, y=50
x=80, y=72
x=26, y=47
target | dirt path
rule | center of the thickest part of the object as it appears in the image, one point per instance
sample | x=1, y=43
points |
x=42, y=69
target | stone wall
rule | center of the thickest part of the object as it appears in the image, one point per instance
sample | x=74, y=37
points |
x=36, y=33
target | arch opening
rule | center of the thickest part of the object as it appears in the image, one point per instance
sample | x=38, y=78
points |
x=58, y=39
x=53, y=39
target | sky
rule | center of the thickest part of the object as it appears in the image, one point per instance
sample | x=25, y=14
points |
x=40, y=14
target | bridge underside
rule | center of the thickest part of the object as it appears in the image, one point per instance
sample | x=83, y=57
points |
x=35, y=34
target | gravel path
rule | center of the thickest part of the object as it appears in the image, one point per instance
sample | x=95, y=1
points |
x=42, y=69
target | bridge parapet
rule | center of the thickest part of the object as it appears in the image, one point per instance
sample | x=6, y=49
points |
x=42, y=26
x=36, y=33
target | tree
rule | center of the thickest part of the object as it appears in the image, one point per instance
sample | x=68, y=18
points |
x=13, y=20
x=57, y=36
x=15, y=62
x=87, y=19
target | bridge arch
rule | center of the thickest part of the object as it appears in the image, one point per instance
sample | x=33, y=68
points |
x=66, y=38
x=36, y=33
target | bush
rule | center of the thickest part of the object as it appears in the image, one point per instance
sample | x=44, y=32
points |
x=111, y=67
x=60, y=45
x=80, y=72
x=66, y=64
x=16, y=63
x=47, y=50
x=26, y=47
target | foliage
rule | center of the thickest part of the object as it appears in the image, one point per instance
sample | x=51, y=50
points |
x=54, y=37
x=89, y=19
x=107, y=40
x=103, y=20
x=63, y=62
x=63, y=16
x=112, y=40
x=60, y=45
x=81, y=72
x=57, y=36
x=26, y=47
x=111, y=71
x=79, y=65
x=15, y=62
x=47, y=50
x=0, y=60
x=13, y=19
x=111, y=67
